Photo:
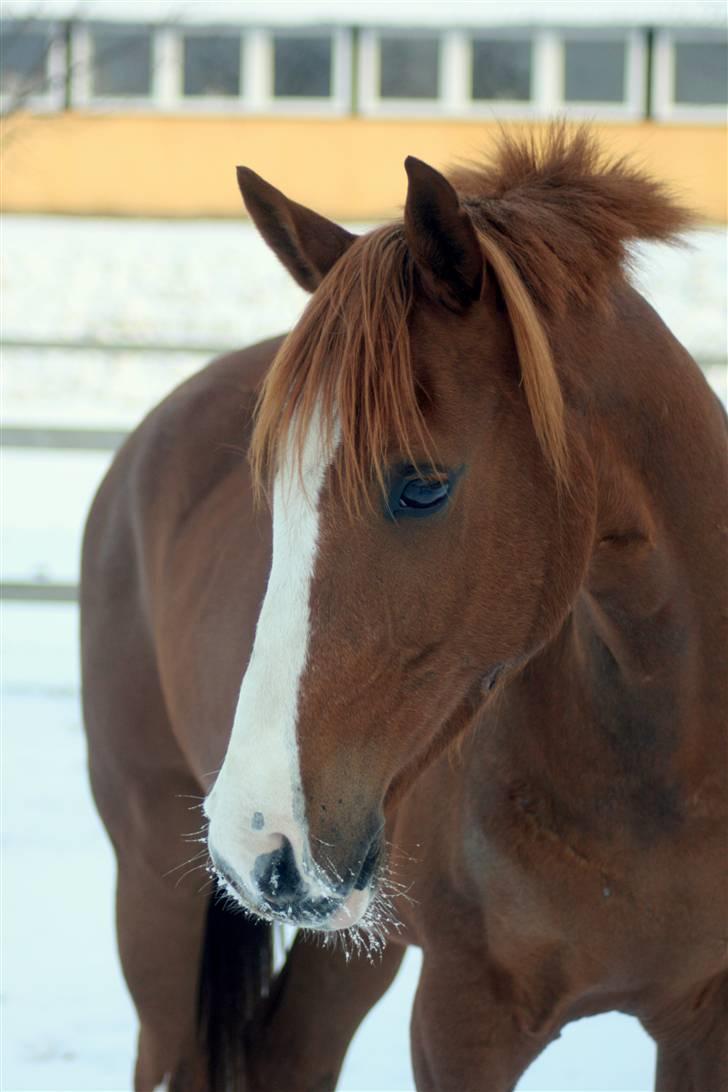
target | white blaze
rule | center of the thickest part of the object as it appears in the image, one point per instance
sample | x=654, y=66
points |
x=260, y=777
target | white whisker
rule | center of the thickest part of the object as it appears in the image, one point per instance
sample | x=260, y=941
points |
x=189, y=872
x=197, y=856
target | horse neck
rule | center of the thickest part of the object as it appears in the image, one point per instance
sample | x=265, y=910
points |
x=647, y=631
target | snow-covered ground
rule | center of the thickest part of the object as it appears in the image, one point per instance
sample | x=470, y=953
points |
x=66, y=1019
x=216, y=283
x=213, y=284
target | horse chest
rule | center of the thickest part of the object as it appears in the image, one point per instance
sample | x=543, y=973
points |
x=505, y=868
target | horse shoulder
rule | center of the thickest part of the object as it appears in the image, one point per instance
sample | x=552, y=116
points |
x=175, y=507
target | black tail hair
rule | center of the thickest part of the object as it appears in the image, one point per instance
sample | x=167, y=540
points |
x=235, y=977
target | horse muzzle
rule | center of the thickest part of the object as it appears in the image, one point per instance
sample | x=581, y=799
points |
x=276, y=889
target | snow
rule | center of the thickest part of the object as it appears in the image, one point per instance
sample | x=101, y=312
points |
x=215, y=285
x=42, y=541
x=405, y=13
x=66, y=1018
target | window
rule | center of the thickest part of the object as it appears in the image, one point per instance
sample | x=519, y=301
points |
x=297, y=71
x=503, y=73
x=121, y=62
x=208, y=67
x=598, y=73
x=690, y=80
x=409, y=68
x=407, y=72
x=701, y=73
x=594, y=71
x=501, y=69
x=124, y=66
x=23, y=51
x=211, y=65
x=32, y=63
x=302, y=66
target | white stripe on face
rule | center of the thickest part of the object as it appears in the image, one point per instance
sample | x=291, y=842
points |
x=257, y=800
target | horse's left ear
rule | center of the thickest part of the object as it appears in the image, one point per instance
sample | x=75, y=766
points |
x=442, y=238
x=307, y=244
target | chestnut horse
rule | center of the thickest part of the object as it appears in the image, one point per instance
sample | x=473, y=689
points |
x=481, y=642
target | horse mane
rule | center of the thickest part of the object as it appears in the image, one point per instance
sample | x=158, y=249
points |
x=565, y=213
x=554, y=217
x=348, y=359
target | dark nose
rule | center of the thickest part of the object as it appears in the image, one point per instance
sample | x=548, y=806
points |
x=277, y=877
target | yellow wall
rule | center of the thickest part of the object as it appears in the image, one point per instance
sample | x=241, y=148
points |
x=350, y=168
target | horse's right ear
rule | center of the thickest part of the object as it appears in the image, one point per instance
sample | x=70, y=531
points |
x=307, y=244
x=441, y=237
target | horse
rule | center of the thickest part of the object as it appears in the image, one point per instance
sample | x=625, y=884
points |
x=424, y=605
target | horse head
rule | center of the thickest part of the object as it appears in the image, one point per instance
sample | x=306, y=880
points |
x=425, y=539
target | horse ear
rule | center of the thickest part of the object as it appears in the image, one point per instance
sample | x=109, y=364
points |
x=307, y=244
x=441, y=237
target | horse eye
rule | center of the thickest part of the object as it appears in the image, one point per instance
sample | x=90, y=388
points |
x=423, y=494
x=411, y=495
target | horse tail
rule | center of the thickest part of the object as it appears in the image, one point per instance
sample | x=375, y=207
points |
x=235, y=977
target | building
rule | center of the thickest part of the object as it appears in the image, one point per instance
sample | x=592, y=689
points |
x=142, y=107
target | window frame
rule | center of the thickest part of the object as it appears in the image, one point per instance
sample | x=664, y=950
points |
x=262, y=97
x=258, y=78
x=547, y=75
x=369, y=100
x=205, y=104
x=664, y=106
x=256, y=86
x=515, y=108
x=53, y=98
x=82, y=94
x=633, y=106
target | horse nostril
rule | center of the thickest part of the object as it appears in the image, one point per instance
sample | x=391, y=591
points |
x=369, y=864
x=277, y=877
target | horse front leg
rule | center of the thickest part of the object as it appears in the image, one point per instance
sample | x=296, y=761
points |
x=316, y=1005
x=692, y=1041
x=469, y=1031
